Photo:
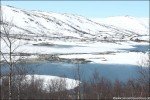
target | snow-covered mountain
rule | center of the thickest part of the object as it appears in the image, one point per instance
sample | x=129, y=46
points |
x=62, y=26
x=63, y=40
x=137, y=25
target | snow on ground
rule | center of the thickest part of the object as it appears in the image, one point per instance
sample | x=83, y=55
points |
x=132, y=58
x=62, y=26
x=138, y=25
x=98, y=52
x=70, y=83
x=73, y=47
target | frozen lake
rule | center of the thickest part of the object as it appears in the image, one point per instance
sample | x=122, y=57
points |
x=117, y=66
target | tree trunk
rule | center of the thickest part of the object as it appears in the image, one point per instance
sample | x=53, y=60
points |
x=18, y=91
x=10, y=73
x=10, y=87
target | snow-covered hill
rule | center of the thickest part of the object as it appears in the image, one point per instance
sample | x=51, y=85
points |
x=137, y=25
x=62, y=26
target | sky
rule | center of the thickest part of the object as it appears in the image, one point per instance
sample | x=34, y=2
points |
x=91, y=9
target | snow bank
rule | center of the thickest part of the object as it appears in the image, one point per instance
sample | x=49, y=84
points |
x=70, y=83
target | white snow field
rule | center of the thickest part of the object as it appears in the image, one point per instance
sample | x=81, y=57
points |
x=103, y=53
x=47, y=79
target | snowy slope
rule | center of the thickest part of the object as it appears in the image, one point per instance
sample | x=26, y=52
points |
x=137, y=25
x=47, y=79
x=62, y=26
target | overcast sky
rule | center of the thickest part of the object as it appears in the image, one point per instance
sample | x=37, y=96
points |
x=92, y=9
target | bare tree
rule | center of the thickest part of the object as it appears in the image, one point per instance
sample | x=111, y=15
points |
x=8, y=52
x=78, y=77
x=144, y=77
x=57, y=88
x=94, y=80
x=9, y=59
